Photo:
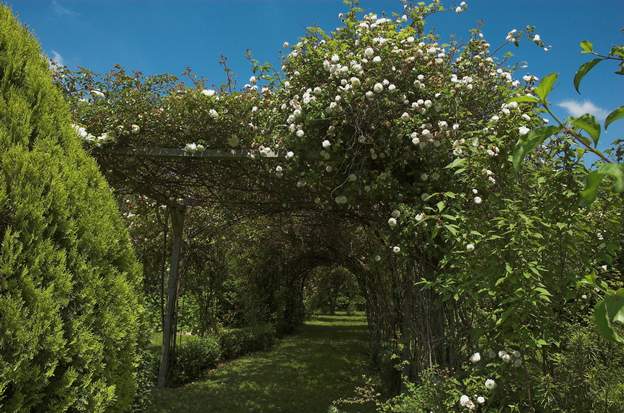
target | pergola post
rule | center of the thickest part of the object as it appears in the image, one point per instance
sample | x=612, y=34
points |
x=177, y=223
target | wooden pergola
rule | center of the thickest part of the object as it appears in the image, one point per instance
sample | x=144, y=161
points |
x=180, y=180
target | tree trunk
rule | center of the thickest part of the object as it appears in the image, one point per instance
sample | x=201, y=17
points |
x=177, y=222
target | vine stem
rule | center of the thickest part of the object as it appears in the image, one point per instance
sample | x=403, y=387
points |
x=577, y=137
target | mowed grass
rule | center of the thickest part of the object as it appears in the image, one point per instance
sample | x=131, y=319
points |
x=303, y=373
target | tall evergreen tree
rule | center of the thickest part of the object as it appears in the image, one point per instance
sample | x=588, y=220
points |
x=69, y=309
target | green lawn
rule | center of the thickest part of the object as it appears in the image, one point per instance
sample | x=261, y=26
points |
x=303, y=373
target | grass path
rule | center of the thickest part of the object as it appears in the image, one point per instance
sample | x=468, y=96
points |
x=303, y=373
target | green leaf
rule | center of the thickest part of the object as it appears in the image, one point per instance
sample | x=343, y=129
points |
x=546, y=85
x=531, y=141
x=525, y=99
x=459, y=162
x=616, y=171
x=609, y=311
x=544, y=294
x=543, y=291
x=613, y=116
x=586, y=46
x=453, y=229
x=593, y=180
x=582, y=71
x=589, y=124
x=617, y=51
x=541, y=343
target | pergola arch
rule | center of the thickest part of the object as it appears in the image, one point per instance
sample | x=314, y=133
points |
x=180, y=180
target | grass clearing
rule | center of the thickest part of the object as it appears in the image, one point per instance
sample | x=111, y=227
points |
x=303, y=373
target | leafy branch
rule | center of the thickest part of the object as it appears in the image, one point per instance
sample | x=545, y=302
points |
x=584, y=131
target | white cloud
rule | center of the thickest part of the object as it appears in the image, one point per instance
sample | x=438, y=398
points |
x=61, y=10
x=576, y=108
x=55, y=61
x=56, y=58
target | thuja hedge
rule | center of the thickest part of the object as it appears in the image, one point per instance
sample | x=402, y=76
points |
x=69, y=312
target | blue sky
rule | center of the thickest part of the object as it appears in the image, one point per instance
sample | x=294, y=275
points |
x=166, y=36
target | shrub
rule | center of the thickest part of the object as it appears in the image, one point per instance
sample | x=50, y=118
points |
x=436, y=393
x=146, y=378
x=69, y=311
x=194, y=356
x=586, y=375
x=239, y=341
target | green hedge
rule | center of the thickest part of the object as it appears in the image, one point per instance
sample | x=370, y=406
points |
x=239, y=341
x=69, y=308
x=193, y=356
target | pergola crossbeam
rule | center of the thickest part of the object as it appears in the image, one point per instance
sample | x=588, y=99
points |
x=162, y=152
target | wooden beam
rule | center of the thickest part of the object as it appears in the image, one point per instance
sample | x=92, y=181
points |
x=159, y=152
x=177, y=223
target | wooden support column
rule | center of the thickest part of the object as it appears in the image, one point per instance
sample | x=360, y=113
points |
x=177, y=223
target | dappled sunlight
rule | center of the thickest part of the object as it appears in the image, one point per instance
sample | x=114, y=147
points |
x=303, y=373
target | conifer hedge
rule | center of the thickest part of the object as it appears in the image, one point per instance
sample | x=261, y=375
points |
x=69, y=309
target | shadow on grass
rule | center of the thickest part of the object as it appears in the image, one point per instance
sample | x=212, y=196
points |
x=303, y=373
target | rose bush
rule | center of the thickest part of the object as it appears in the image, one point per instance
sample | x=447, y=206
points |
x=408, y=148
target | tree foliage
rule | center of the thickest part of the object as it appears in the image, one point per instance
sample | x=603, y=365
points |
x=69, y=309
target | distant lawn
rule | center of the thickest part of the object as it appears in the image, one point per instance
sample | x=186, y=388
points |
x=157, y=338
x=303, y=373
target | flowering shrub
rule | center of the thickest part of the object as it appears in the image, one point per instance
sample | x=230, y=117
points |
x=134, y=111
x=410, y=150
